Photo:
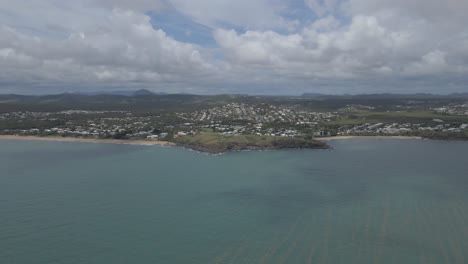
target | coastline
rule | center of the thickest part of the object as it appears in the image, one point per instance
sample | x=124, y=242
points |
x=203, y=149
x=89, y=140
x=365, y=137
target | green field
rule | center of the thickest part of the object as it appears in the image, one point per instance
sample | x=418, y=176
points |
x=361, y=117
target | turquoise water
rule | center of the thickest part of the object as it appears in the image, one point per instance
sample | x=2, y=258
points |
x=366, y=201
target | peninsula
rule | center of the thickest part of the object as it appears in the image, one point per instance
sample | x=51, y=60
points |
x=207, y=143
x=215, y=143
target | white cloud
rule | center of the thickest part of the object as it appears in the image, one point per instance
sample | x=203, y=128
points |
x=124, y=49
x=351, y=43
x=431, y=10
x=17, y=60
x=343, y=52
x=433, y=62
x=379, y=43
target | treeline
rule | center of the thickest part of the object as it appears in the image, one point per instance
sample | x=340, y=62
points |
x=187, y=102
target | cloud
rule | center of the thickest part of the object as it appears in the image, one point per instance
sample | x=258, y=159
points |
x=433, y=62
x=342, y=52
x=258, y=14
x=126, y=48
x=259, y=46
x=322, y=7
x=430, y=10
x=379, y=44
x=136, y=5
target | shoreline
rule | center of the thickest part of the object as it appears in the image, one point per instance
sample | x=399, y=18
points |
x=367, y=137
x=171, y=144
x=89, y=140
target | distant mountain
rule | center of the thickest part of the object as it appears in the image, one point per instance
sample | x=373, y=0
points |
x=141, y=92
x=144, y=92
x=144, y=101
x=386, y=96
x=312, y=95
x=464, y=95
x=396, y=96
x=411, y=96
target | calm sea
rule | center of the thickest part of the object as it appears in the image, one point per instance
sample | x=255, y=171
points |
x=366, y=201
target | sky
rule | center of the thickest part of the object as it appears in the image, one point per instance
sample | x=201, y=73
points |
x=283, y=47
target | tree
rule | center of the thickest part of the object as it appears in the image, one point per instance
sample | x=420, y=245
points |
x=120, y=135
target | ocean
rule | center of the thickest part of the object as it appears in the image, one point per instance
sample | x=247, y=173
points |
x=364, y=201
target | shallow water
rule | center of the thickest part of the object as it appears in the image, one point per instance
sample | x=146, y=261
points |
x=366, y=201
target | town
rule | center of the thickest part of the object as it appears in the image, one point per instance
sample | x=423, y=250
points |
x=233, y=119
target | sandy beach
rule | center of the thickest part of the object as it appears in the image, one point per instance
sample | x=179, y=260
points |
x=366, y=137
x=165, y=143
x=88, y=140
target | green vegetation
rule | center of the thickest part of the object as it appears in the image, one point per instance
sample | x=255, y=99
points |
x=234, y=122
x=216, y=143
x=361, y=117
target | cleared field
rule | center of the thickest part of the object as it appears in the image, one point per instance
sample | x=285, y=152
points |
x=361, y=117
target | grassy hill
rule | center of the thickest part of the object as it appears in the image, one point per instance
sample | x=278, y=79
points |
x=216, y=143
